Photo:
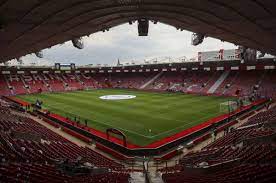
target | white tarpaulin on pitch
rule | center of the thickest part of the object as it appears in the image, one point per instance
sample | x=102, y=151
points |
x=117, y=97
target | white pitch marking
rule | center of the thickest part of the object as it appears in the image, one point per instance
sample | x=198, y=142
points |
x=107, y=124
x=117, y=97
x=178, y=127
x=147, y=136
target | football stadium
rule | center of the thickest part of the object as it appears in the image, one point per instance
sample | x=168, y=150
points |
x=71, y=111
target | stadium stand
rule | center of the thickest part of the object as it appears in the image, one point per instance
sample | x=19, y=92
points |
x=55, y=81
x=190, y=81
x=72, y=82
x=32, y=153
x=17, y=84
x=244, y=81
x=264, y=117
x=266, y=85
x=35, y=83
x=187, y=81
x=4, y=89
x=240, y=173
x=246, y=154
x=87, y=81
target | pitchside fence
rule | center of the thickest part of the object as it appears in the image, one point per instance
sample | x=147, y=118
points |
x=233, y=105
x=85, y=121
x=149, y=152
x=76, y=118
x=161, y=165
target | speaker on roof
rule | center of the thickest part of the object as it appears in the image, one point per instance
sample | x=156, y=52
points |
x=19, y=60
x=57, y=66
x=262, y=54
x=143, y=27
x=247, y=54
x=3, y=23
x=78, y=43
x=39, y=54
x=73, y=66
x=197, y=38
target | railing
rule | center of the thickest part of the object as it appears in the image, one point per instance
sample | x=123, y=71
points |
x=137, y=151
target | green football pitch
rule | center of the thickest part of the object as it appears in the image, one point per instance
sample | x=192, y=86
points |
x=144, y=119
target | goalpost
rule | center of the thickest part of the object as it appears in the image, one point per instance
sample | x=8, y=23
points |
x=228, y=106
x=232, y=105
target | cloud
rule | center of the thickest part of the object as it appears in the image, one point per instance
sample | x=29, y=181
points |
x=124, y=43
x=30, y=60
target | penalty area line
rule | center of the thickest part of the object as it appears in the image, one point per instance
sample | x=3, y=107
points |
x=130, y=131
x=171, y=130
x=104, y=123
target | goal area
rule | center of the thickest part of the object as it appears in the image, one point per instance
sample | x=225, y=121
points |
x=228, y=106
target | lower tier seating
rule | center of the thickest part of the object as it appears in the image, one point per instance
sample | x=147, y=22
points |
x=245, y=154
x=29, y=152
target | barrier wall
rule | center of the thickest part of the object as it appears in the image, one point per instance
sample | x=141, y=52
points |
x=162, y=146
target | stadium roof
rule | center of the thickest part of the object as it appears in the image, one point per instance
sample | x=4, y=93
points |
x=32, y=25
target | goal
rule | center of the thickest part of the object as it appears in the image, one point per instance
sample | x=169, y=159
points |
x=228, y=106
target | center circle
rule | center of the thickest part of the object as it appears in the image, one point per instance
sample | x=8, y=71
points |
x=117, y=97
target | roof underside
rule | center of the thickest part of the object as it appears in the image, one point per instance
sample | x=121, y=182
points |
x=32, y=25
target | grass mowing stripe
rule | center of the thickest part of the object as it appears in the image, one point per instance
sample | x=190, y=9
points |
x=180, y=127
x=163, y=113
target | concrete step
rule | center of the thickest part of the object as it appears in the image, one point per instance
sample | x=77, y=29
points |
x=156, y=178
x=137, y=177
x=218, y=82
x=151, y=80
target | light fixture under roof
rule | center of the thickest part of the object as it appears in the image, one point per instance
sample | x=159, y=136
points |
x=197, y=38
x=39, y=54
x=143, y=27
x=78, y=43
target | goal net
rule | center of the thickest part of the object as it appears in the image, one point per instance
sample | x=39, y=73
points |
x=228, y=106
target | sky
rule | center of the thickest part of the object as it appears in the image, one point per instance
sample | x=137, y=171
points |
x=123, y=43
